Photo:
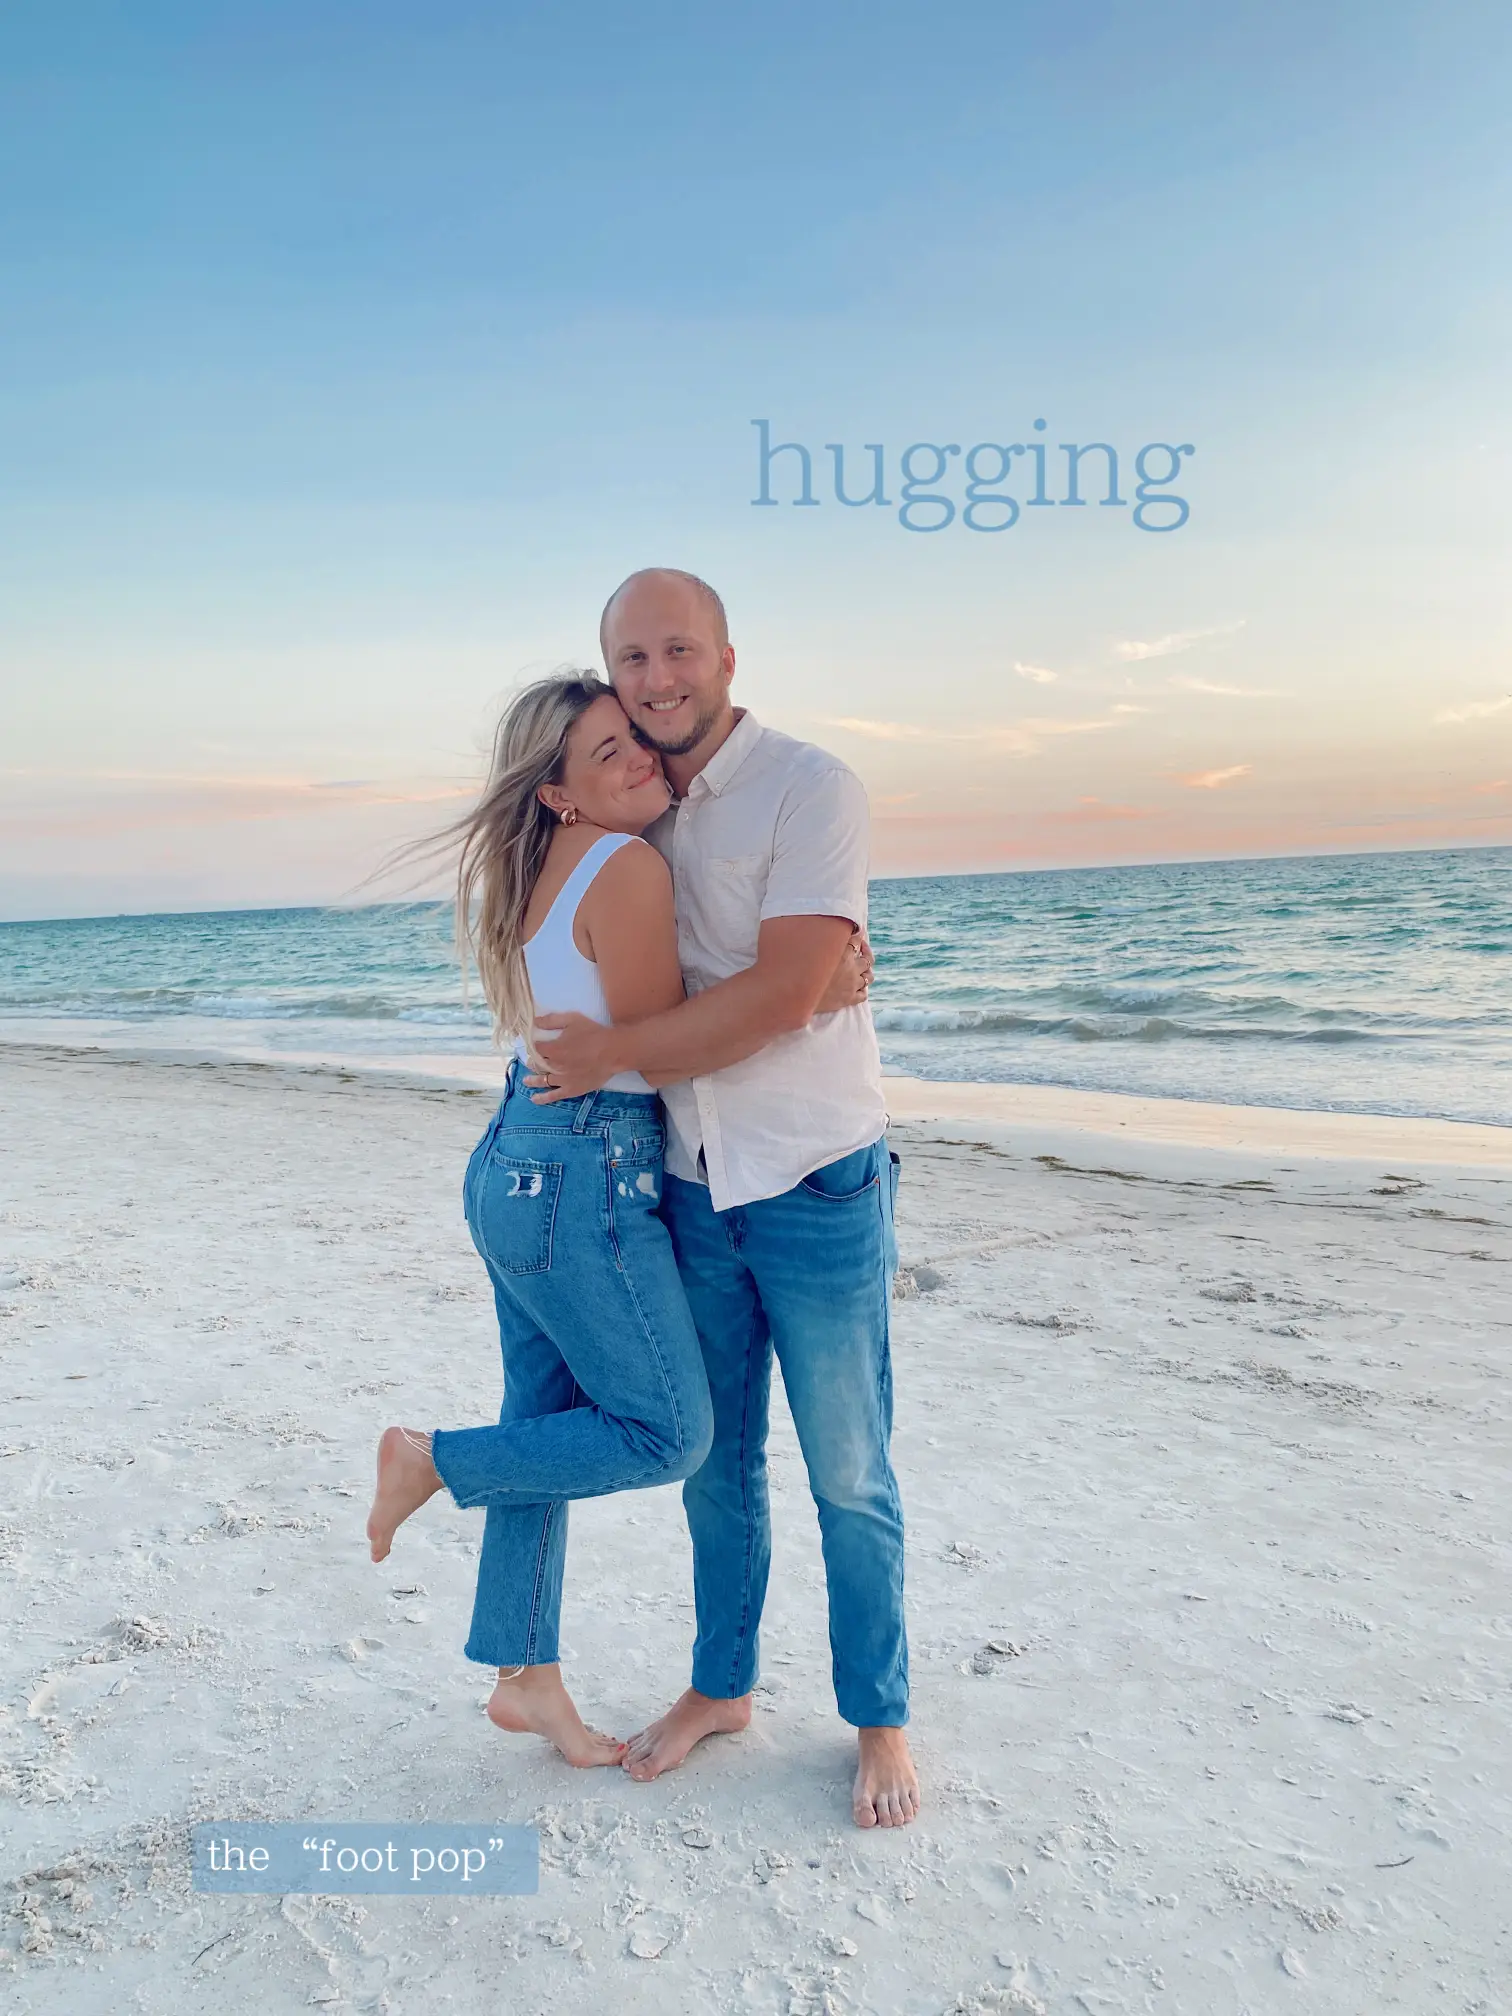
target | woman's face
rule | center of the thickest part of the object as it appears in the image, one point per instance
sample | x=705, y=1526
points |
x=609, y=777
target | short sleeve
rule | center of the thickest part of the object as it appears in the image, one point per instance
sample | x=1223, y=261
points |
x=821, y=852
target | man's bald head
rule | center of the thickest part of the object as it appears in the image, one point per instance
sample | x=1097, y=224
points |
x=668, y=653
x=707, y=601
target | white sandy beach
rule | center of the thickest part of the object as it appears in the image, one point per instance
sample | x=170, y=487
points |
x=1202, y=1431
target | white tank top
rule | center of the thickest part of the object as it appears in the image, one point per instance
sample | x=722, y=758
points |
x=561, y=979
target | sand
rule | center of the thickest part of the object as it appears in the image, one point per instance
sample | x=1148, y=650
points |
x=1204, y=1453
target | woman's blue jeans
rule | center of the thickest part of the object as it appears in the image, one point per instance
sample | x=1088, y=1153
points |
x=604, y=1382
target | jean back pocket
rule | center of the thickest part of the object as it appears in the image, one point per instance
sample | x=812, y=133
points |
x=514, y=1211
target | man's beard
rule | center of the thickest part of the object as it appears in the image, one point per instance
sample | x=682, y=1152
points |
x=684, y=743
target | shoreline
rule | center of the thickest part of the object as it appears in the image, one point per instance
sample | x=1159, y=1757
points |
x=1194, y=1123
x=1160, y=1122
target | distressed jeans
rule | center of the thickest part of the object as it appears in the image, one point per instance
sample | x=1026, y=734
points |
x=806, y=1275
x=604, y=1384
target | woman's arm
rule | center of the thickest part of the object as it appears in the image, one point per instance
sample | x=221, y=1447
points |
x=795, y=959
x=631, y=926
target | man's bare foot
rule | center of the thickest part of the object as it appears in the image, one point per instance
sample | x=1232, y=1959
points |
x=535, y=1702
x=887, y=1786
x=406, y=1478
x=663, y=1744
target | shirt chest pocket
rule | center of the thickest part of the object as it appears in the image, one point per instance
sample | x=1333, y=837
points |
x=734, y=889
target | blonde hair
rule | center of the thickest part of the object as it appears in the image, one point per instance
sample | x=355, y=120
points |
x=505, y=837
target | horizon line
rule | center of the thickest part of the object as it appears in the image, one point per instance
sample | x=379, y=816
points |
x=945, y=875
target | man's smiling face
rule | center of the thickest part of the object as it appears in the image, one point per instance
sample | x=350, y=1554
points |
x=669, y=662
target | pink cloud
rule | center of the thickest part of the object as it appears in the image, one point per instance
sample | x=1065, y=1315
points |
x=1214, y=780
x=1093, y=812
x=105, y=802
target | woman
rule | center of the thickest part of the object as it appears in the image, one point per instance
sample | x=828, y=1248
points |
x=604, y=1381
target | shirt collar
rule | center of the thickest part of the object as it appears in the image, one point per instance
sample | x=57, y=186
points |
x=728, y=757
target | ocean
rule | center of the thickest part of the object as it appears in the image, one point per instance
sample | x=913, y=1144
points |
x=1376, y=983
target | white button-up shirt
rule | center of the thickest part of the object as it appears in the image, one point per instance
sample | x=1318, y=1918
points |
x=771, y=827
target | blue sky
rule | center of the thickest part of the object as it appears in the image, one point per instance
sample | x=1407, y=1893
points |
x=350, y=354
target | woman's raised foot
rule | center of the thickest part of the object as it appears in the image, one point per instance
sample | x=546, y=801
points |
x=406, y=1478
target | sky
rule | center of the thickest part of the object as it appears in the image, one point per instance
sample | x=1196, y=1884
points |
x=350, y=354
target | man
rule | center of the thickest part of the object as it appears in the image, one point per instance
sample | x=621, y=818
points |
x=779, y=1182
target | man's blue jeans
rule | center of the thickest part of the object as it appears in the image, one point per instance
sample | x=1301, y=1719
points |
x=806, y=1274
x=604, y=1385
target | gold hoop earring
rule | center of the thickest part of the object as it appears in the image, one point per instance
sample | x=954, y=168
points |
x=569, y=817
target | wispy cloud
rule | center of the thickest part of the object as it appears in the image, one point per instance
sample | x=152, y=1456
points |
x=1214, y=780
x=1228, y=692
x=1018, y=738
x=1066, y=727
x=890, y=731
x=118, y=801
x=1129, y=707
x=1040, y=674
x=380, y=791
x=1473, y=710
x=1093, y=812
x=1133, y=650
x=1486, y=790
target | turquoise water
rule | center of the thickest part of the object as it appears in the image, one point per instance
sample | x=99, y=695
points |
x=1364, y=983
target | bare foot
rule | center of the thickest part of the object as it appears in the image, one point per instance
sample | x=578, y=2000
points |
x=887, y=1786
x=535, y=1702
x=664, y=1744
x=406, y=1478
